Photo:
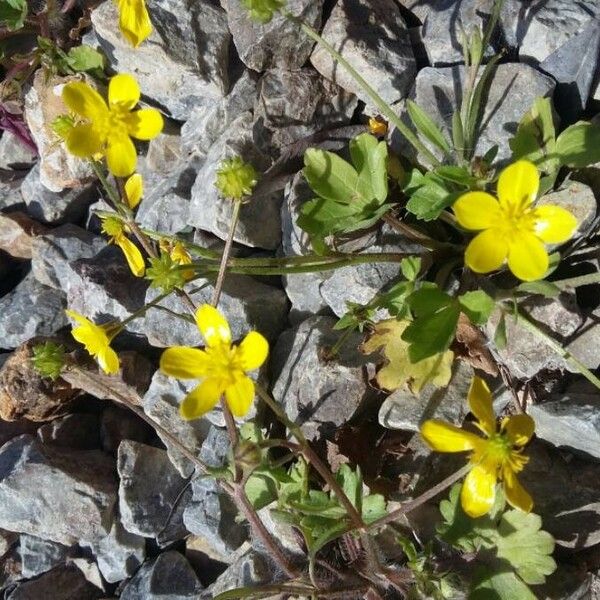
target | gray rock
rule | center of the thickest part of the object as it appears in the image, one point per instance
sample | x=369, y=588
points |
x=118, y=424
x=585, y=342
x=60, y=495
x=43, y=104
x=39, y=556
x=278, y=43
x=104, y=288
x=358, y=284
x=164, y=152
x=79, y=430
x=62, y=583
x=574, y=66
x=168, y=577
x=148, y=490
x=525, y=354
x=210, y=118
x=53, y=252
x=510, y=94
x=571, y=420
x=10, y=194
x=544, y=27
x=31, y=309
x=566, y=492
x=249, y=570
x=292, y=105
x=161, y=402
x=166, y=205
x=211, y=513
x=578, y=199
x=302, y=289
x=190, y=45
x=317, y=394
x=259, y=224
x=17, y=231
x=405, y=410
x=373, y=38
x=119, y=554
x=14, y=154
x=247, y=303
x=69, y=205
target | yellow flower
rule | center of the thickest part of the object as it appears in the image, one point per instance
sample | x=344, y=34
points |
x=109, y=128
x=116, y=230
x=221, y=366
x=134, y=190
x=498, y=456
x=97, y=339
x=134, y=21
x=512, y=227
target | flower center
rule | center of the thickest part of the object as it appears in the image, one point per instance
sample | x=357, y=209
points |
x=516, y=219
x=225, y=363
x=114, y=122
x=500, y=450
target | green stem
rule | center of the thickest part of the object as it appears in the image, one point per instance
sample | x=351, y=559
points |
x=235, y=217
x=108, y=188
x=142, y=311
x=528, y=324
x=379, y=102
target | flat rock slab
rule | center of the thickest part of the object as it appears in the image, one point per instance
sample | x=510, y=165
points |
x=60, y=495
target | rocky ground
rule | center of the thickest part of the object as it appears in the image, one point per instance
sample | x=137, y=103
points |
x=93, y=503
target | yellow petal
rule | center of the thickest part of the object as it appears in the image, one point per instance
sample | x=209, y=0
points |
x=519, y=429
x=108, y=360
x=134, y=257
x=479, y=490
x=184, y=363
x=253, y=351
x=134, y=190
x=486, y=251
x=123, y=91
x=134, y=21
x=444, y=437
x=213, y=326
x=554, y=224
x=476, y=210
x=84, y=100
x=144, y=124
x=480, y=403
x=516, y=495
x=201, y=399
x=527, y=257
x=84, y=140
x=239, y=396
x=518, y=184
x=121, y=156
x=77, y=317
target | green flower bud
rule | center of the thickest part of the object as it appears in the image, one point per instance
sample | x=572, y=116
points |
x=166, y=274
x=263, y=10
x=49, y=359
x=62, y=125
x=236, y=178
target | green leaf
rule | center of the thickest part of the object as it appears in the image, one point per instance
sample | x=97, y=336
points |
x=579, y=145
x=261, y=490
x=522, y=542
x=477, y=305
x=85, y=58
x=351, y=483
x=458, y=135
x=373, y=508
x=431, y=198
x=13, y=13
x=410, y=267
x=504, y=585
x=369, y=157
x=458, y=175
x=320, y=216
x=330, y=176
x=426, y=126
x=432, y=333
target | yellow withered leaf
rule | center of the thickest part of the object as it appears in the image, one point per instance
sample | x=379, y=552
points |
x=398, y=370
